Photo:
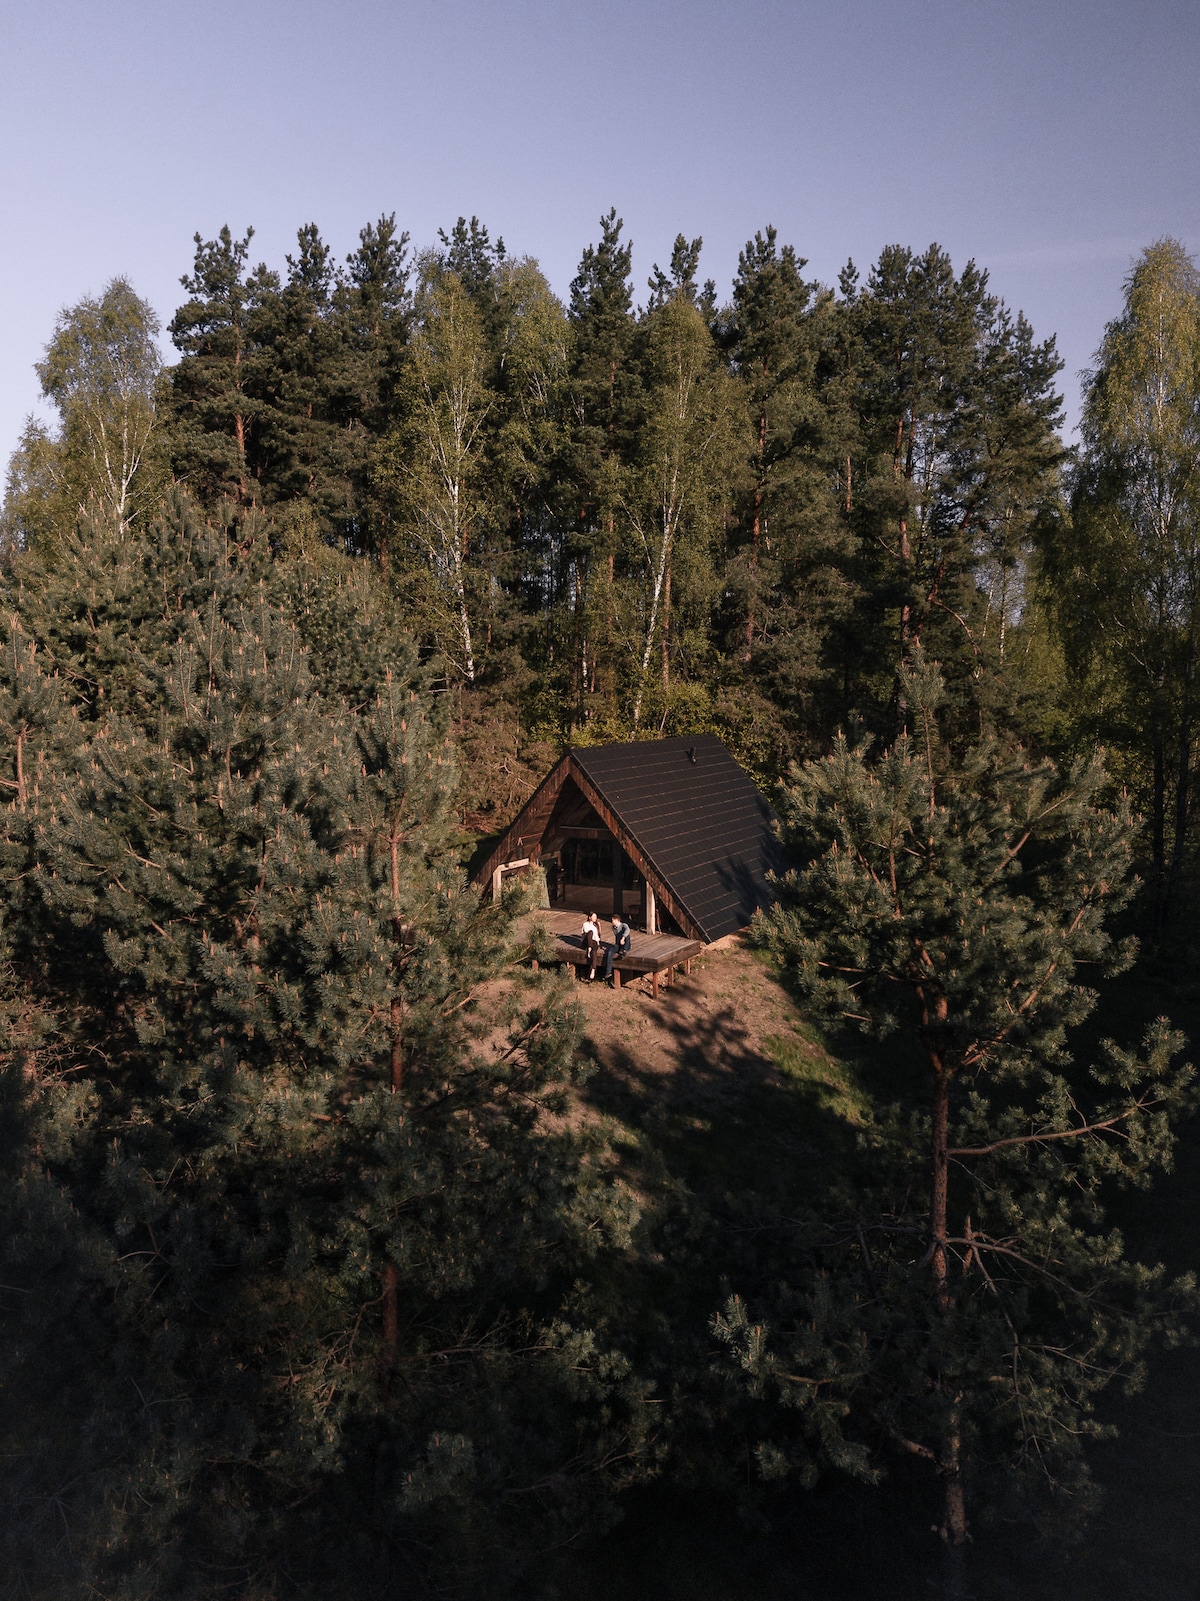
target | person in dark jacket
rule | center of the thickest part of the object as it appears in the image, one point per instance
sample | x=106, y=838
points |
x=622, y=940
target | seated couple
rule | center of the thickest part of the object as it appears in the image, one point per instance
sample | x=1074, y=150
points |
x=622, y=936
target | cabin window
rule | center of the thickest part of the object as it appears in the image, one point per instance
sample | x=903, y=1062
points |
x=590, y=861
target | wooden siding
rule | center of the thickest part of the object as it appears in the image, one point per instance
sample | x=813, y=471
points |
x=529, y=824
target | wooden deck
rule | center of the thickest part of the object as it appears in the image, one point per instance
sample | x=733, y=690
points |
x=650, y=955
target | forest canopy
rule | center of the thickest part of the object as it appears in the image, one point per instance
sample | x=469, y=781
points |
x=612, y=518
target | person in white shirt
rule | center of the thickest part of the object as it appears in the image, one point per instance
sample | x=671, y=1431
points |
x=592, y=942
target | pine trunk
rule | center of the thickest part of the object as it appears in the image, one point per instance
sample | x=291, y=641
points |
x=1183, y=785
x=390, y=1278
x=953, y=1529
x=1159, y=818
x=756, y=533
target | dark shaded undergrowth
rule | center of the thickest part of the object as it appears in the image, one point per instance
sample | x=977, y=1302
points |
x=737, y=1133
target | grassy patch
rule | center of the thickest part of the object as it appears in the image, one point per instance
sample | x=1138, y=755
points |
x=826, y=1082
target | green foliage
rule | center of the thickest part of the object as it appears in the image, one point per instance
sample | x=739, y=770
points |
x=962, y=1297
x=289, y=1191
x=577, y=548
x=283, y=384
x=672, y=508
x=34, y=510
x=662, y=518
x=1122, y=570
x=213, y=400
x=786, y=579
x=100, y=372
x=432, y=468
x=953, y=460
x=317, y=1276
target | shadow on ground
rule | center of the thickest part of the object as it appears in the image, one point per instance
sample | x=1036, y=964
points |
x=722, y=1093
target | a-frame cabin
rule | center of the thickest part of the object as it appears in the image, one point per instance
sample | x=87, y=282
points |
x=673, y=829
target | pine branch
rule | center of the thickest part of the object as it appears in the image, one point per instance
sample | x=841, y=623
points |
x=1142, y=1104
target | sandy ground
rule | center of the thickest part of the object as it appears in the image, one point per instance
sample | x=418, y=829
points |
x=703, y=1037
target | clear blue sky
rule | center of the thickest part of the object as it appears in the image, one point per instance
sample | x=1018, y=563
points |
x=1049, y=139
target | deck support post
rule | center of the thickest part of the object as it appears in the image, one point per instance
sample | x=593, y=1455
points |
x=616, y=978
x=654, y=984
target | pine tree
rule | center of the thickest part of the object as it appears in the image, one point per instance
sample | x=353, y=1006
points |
x=963, y=1295
x=378, y=313
x=597, y=455
x=468, y=252
x=215, y=399
x=284, y=386
x=378, y=273
x=312, y=443
x=680, y=282
x=955, y=457
x=283, y=1132
x=786, y=583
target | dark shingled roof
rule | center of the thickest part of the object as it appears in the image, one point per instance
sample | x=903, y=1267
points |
x=698, y=818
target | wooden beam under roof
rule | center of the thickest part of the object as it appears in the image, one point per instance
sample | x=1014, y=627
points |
x=530, y=822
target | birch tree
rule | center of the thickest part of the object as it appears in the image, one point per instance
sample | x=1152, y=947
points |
x=100, y=371
x=674, y=510
x=433, y=464
x=1124, y=572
